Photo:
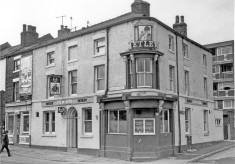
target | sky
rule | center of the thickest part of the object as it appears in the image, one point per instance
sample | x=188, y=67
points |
x=208, y=21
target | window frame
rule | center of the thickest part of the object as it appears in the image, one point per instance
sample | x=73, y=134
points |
x=228, y=107
x=188, y=121
x=69, y=53
x=204, y=59
x=10, y=127
x=16, y=92
x=185, y=51
x=144, y=126
x=72, y=83
x=218, y=121
x=162, y=130
x=172, y=80
x=84, y=121
x=186, y=82
x=118, y=119
x=97, y=47
x=205, y=86
x=24, y=115
x=99, y=79
x=50, y=56
x=50, y=122
x=171, y=44
x=219, y=50
x=17, y=64
x=206, y=121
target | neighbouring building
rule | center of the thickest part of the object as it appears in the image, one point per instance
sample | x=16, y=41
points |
x=18, y=85
x=223, y=84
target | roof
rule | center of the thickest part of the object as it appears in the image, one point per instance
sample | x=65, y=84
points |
x=219, y=44
x=107, y=24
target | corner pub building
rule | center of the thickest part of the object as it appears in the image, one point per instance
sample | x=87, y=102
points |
x=130, y=87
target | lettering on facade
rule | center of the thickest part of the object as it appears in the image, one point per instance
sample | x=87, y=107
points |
x=82, y=100
x=49, y=103
x=144, y=44
x=196, y=102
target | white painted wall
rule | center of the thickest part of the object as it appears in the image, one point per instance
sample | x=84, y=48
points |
x=2, y=74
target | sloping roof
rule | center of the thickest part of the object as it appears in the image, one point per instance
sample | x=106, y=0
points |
x=218, y=44
x=4, y=46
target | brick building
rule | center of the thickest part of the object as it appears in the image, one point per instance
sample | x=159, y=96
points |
x=223, y=83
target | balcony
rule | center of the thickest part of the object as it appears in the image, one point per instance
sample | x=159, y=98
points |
x=222, y=58
x=224, y=75
x=223, y=93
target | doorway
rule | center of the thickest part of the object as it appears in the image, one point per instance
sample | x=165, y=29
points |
x=72, y=128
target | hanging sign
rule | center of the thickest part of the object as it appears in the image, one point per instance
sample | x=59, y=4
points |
x=55, y=81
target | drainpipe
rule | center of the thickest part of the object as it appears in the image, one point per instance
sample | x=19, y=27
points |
x=178, y=93
x=107, y=61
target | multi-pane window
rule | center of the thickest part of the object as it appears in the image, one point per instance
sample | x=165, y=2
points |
x=100, y=46
x=49, y=122
x=224, y=50
x=131, y=74
x=226, y=67
x=50, y=58
x=100, y=77
x=186, y=82
x=185, y=50
x=87, y=120
x=217, y=122
x=205, y=87
x=144, y=72
x=25, y=122
x=205, y=121
x=165, y=121
x=10, y=124
x=187, y=120
x=172, y=78
x=228, y=104
x=117, y=122
x=144, y=126
x=73, y=82
x=16, y=91
x=171, y=43
x=72, y=53
x=17, y=65
x=204, y=60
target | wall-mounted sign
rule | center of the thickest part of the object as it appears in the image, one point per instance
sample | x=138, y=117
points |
x=145, y=44
x=143, y=32
x=26, y=75
x=55, y=81
x=61, y=109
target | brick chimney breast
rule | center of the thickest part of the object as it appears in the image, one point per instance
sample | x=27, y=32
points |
x=140, y=7
x=180, y=27
x=29, y=36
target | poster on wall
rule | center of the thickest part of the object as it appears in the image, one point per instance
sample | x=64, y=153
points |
x=26, y=75
x=55, y=84
x=139, y=126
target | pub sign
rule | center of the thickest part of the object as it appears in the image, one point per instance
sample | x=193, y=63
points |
x=55, y=82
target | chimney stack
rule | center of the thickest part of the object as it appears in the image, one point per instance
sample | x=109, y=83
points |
x=180, y=27
x=140, y=7
x=28, y=37
x=63, y=31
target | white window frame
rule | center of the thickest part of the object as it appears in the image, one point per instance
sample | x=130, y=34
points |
x=50, y=122
x=69, y=57
x=144, y=126
x=219, y=50
x=118, y=129
x=131, y=73
x=99, y=79
x=162, y=121
x=23, y=116
x=51, y=57
x=144, y=72
x=15, y=91
x=172, y=79
x=217, y=122
x=171, y=43
x=188, y=120
x=186, y=82
x=228, y=107
x=206, y=121
x=84, y=121
x=17, y=65
x=98, y=46
x=204, y=59
x=205, y=86
x=185, y=51
x=70, y=83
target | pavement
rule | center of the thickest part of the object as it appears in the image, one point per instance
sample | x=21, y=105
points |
x=27, y=155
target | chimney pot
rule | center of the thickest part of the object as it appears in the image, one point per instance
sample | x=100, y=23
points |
x=177, y=19
x=24, y=27
x=182, y=19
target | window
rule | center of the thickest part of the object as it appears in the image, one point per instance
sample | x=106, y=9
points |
x=144, y=72
x=165, y=121
x=172, y=78
x=50, y=58
x=205, y=119
x=226, y=86
x=10, y=125
x=143, y=33
x=100, y=46
x=187, y=120
x=186, y=82
x=73, y=82
x=100, y=77
x=144, y=126
x=228, y=104
x=131, y=74
x=205, y=88
x=226, y=68
x=87, y=121
x=224, y=50
x=117, y=121
x=215, y=69
x=49, y=122
x=16, y=91
x=217, y=122
x=25, y=122
x=171, y=43
x=185, y=50
x=72, y=53
x=17, y=65
x=204, y=60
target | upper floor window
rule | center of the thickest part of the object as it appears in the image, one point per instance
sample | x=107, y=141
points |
x=228, y=104
x=186, y=82
x=117, y=122
x=205, y=87
x=144, y=72
x=172, y=78
x=185, y=50
x=143, y=33
x=72, y=53
x=16, y=91
x=17, y=65
x=204, y=60
x=100, y=77
x=72, y=82
x=226, y=67
x=171, y=43
x=224, y=50
x=87, y=120
x=50, y=58
x=100, y=46
x=131, y=74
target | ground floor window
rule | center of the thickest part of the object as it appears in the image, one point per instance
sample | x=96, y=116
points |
x=25, y=122
x=145, y=126
x=205, y=119
x=117, y=122
x=165, y=121
x=87, y=121
x=49, y=122
x=10, y=125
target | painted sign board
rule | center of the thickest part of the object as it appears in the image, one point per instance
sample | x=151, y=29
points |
x=26, y=75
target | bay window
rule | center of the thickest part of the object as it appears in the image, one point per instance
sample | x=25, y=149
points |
x=117, y=121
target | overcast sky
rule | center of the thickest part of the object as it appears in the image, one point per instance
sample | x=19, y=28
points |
x=208, y=21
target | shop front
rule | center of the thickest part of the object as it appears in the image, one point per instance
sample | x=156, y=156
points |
x=137, y=125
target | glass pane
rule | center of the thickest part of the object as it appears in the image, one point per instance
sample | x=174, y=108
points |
x=149, y=126
x=88, y=114
x=47, y=118
x=10, y=124
x=122, y=122
x=148, y=78
x=101, y=84
x=100, y=72
x=140, y=65
x=166, y=121
x=88, y=127
x=186, y=126
x=140, y=78
x=73, y=76
x=26, y=123
x=139, y=126
x=53, y=127
x=113, y=121
x=73, y=53
x=74, y=88
x=53, y=116
x=148, y=65
x=47, y=127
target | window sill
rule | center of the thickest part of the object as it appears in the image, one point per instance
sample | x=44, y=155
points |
x=143, y=134
x=173, y=52
x=206, y=134
x=188, y=135
x=16, y=71
x=186, y=58
x=86, y=136
x=49, y=135
x=51, y=65
x=73, y=95
x=72, y=61
x=98, y=55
